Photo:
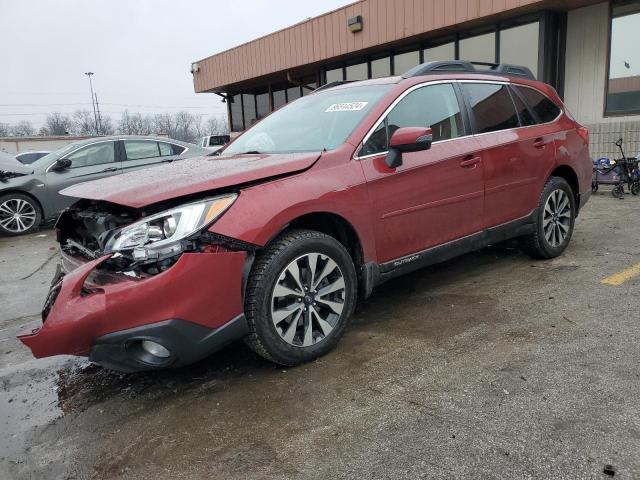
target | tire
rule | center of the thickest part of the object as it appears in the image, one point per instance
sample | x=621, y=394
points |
x=635, y=188
x=553, y=230
x=618, y=191
x=19, y=214
x=272, y=292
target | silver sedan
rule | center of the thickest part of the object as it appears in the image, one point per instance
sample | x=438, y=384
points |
x=29, y=194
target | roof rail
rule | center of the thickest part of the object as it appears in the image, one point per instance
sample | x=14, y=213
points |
x=465, y=66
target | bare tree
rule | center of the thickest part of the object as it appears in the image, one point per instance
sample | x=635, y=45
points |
x=4, y=129
x=135, y=124
x=185, y=124
x=216, y=126
x=83, y=123
x=23, y=128
x=163, y=124
x=58, y=124
x=106, y=125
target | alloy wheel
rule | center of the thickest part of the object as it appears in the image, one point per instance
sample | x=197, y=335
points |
x=308, y=299
x=556, y=220
x=17, y=215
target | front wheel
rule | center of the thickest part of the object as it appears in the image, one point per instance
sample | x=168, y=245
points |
x=19, y=214
x=635, y=188
x=300, y=297
x=554, y=221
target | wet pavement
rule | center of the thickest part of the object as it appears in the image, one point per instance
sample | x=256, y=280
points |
x=488, y=366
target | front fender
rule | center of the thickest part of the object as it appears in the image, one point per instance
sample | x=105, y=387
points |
x=262, y=211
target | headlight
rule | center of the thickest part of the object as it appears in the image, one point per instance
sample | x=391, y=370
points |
x=159, y=235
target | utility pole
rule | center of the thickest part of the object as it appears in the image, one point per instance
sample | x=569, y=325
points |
x=99, y=117
x=95, y=115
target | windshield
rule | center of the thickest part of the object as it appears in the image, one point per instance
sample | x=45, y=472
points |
x=323, y=120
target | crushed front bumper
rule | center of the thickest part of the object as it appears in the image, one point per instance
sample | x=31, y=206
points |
x=91, y=312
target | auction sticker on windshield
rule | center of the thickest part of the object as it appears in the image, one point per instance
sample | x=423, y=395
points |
x=346, y=107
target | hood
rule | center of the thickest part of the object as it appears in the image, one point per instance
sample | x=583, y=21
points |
x=9, y=163
x=194, y=175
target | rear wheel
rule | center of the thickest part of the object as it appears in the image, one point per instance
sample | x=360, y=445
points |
x=300, y=297
x=19, y=214
x=554, y=222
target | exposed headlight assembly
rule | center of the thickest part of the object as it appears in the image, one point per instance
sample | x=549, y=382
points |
x=160, y=235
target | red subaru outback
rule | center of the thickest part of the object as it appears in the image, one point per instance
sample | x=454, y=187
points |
x=274, y=240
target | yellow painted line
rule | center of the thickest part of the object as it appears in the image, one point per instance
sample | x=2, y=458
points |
x=621, y=277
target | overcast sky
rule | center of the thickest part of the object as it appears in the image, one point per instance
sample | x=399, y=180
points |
x=140, y=51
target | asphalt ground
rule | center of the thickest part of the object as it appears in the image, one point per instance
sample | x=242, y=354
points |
x=491, y=365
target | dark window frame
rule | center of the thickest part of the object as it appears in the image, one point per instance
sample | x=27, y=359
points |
x=605, y=112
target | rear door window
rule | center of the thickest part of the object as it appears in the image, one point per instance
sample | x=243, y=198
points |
x=492, y=107
x=432, y=106
x=545, y=109
x=138, y=149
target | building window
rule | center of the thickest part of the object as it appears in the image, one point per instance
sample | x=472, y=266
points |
x=334, y=75
x=519, y=45
x=441, y=52
x=293, y=93
x=262, y=103
x=623, y=86
x=236, y=114
x=279, y=98
x=381, y=67
x=309, y=88
x=405, y=61
x=481, y=48
x=249, y=109
x=357, y=72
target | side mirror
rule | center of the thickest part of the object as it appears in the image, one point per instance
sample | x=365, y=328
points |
x=407, y=139
x=62, y=164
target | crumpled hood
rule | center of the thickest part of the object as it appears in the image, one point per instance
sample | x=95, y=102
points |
x=185, y=177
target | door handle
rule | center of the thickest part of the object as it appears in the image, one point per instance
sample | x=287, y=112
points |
x=110, y=169
x=470, y=161
x=539, y=143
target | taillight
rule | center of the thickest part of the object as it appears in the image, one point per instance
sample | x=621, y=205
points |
x=584, y=134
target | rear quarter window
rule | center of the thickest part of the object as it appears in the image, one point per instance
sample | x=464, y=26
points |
x=545, y=109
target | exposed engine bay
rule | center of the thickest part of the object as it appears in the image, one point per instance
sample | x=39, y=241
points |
x=88, y=229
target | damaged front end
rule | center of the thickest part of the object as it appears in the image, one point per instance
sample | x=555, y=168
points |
x=131, y=276
x=6, y=176
x=141, y=243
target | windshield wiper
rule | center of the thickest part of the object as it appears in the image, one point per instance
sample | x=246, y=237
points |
x=250, y=152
